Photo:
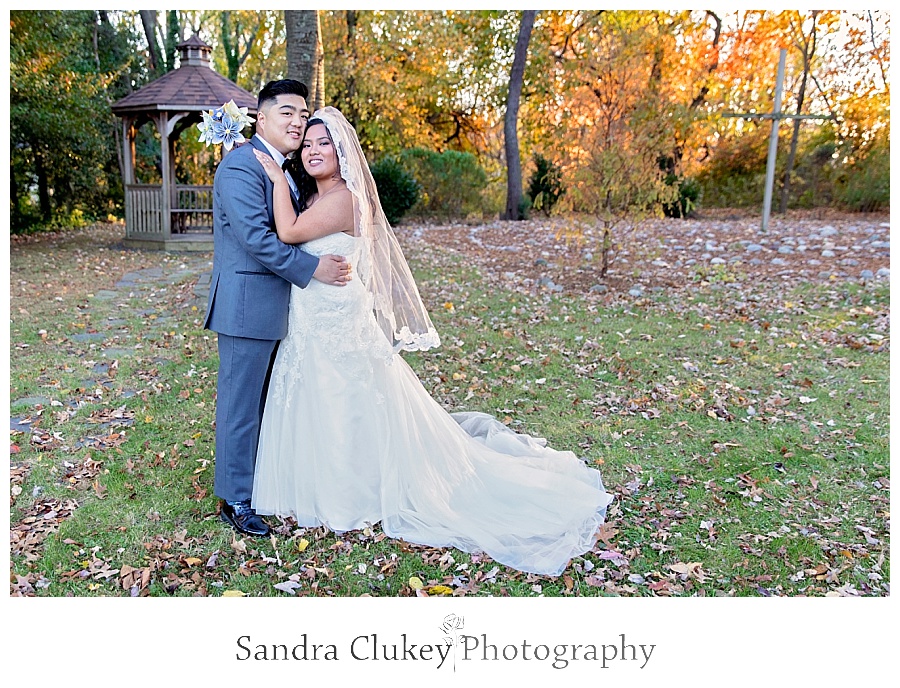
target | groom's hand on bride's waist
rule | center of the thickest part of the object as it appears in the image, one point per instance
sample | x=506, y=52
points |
x=334, y=270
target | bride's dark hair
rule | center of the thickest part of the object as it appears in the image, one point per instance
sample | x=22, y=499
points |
x=306, y=184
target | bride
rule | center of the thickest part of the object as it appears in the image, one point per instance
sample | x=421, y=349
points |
x=349, y=435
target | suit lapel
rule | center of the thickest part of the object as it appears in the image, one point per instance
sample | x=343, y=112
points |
x=256, y=143
x=295, y=200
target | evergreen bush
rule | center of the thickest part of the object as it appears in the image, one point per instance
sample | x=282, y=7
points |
x=866, y=185
x=452, y=182
x=545, y=184
x=397, y=188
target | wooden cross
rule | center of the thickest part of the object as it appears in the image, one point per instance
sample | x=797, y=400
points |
x=776, y=116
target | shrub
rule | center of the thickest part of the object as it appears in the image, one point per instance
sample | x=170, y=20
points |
x=452, y=182
x=688, y=190
x=397, y=188
x=866, y=184
x=545, y=185
x=688, y=197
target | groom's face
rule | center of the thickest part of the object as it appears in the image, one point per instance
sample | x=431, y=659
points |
x=281, y=122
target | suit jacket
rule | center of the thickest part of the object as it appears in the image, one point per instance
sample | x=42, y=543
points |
x=253, y=270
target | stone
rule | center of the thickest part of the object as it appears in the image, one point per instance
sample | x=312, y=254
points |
x=866, y=275
x=31, y=401
x=828, y=253
x=883, y=273
x=754, y=248
x=828, y=231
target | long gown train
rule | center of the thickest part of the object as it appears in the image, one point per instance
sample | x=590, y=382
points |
x=350, y=437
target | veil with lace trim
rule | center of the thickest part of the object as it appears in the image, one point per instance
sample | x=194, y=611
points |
x=398, y=306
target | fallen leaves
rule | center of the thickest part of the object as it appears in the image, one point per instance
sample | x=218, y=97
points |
x=136, y=580
x=40, y=520
x=692, y=569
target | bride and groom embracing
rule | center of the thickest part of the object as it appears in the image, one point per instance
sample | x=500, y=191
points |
x=318, y=416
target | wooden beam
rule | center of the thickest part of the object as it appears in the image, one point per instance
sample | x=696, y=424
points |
x=773, y=142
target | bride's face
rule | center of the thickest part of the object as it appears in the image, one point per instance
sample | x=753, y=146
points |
x=317, y=153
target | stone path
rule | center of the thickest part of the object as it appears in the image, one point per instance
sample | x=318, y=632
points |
x=109, y=340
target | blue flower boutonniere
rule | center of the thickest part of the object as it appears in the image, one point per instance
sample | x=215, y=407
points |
x=224, y=125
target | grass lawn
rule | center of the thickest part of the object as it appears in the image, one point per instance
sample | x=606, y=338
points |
x=743, y=428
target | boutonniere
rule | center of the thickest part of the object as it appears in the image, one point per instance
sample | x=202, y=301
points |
x=224, y=125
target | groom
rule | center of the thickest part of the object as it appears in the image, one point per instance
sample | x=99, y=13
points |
x=250, y=292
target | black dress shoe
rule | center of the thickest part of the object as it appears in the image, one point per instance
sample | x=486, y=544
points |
x=242, y=517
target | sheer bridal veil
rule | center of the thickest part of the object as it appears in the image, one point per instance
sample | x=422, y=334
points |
x=398, y=307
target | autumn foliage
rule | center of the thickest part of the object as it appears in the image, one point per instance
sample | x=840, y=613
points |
x=598, y=83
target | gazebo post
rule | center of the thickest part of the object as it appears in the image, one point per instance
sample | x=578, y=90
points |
x=129, y=153
x=165, y=149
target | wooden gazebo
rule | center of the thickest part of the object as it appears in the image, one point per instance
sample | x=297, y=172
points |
x=173, y=216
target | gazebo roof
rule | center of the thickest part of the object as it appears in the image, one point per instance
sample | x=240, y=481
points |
x=194, y=86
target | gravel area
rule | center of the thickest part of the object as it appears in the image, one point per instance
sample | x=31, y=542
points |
x=557, y=254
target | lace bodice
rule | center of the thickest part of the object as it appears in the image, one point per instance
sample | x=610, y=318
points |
x=339, y=243
x=340, y=319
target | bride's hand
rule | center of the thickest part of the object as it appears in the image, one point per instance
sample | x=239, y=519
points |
x=270, y=166
x=333, y=270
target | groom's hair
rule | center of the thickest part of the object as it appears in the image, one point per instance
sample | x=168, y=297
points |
x=281, y=87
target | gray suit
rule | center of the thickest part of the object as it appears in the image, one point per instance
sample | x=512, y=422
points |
x=249, y=297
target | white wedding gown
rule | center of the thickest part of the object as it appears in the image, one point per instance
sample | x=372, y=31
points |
x=350, y=437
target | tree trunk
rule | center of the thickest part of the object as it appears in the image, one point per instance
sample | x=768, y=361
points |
x=317, y=97
x=230, y=48
x=231, y=33
x=352, y=113
x=104, y=24
x=173, y=38
x=43, y=187
x=511, y=120
x=148, y=19
x=305, y=57
x=809, y=49
x=13, y=192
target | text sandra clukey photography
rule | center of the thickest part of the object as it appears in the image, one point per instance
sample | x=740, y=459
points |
x=452, y=650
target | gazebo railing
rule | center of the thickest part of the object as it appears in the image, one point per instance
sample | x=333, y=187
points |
x=191, y=210
x=143, y=210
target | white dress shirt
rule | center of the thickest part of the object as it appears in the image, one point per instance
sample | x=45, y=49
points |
x=279, y=158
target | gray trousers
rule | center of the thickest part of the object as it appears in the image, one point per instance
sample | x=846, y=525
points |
x=244, y=369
